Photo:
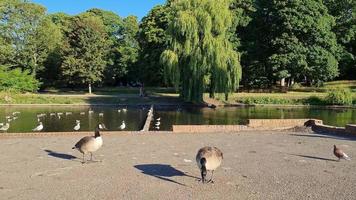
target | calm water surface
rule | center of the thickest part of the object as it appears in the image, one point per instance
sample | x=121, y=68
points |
x=134, y=118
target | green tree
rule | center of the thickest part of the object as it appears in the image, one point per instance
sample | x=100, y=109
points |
x=128, y=49
x=304, y=44
x=292, y=40
x=344, y=12
x=200, y=55
x=22, y=24
x=152, y=39
x=85, y=51
x=113, y=26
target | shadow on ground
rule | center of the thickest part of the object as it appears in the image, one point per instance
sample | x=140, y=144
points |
x=162, y=171
x=60, y=155
x=314, y=157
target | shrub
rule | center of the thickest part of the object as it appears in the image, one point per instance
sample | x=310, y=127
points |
x=266, y=100
x=17, y=80
x=339, y=97
x=314, y=100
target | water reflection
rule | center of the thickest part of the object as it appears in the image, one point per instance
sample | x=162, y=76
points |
x=63, y=118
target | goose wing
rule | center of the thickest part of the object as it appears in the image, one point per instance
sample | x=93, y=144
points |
x=83, y=141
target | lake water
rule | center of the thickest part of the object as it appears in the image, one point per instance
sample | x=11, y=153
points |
x=134, y=118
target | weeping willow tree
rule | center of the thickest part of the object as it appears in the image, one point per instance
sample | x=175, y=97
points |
x=200, y=56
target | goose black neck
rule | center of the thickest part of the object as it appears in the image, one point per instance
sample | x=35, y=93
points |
x=97, y=133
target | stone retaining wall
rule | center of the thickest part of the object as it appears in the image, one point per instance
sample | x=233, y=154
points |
x=272, y=124
x=207, y=128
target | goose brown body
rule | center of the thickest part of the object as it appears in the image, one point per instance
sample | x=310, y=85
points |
x=90, y=144
x=208, y=159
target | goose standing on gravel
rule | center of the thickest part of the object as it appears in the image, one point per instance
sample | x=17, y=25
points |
x=39, y=127
x=208, y=159
x=77, y=126
x=123, y=125
x=90, y=144
x=340, y=154
x=5, y=127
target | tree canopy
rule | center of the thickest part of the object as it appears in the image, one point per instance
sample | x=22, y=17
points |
x=200, y=55
x=196, y=46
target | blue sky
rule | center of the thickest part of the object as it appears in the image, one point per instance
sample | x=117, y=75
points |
x=121, y=7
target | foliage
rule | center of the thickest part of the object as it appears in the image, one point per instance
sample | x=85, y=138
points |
x=291, y=39
x=344, y=12
x=85, y=51
x=17, y=80
x=200, y=54
x=128, y=48
x=26, y=37
x=339, y=97
x=152, y=39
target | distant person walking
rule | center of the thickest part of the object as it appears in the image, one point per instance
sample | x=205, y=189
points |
x=142, y=91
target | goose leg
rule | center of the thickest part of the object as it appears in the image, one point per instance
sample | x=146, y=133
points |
x=211, y=179
x=83, y=158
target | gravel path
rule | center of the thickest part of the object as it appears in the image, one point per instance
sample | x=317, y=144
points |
x=257, y=165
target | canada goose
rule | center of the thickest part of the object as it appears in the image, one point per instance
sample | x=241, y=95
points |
x=208, y=159
x=123, y=125
x=5, y=127
x=39, y=127
x=77, y=126
x=340, y=154
x=90, y=144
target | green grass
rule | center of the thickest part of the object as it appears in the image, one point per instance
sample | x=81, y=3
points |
x=129, y=96
x=290, y=98
x=69, y=98
x=345, y=84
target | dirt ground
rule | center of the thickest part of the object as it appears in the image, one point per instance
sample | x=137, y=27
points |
x=256, y=165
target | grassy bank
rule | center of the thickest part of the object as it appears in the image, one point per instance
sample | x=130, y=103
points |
x=290, y=98
x=130, y=96
x=69, y=98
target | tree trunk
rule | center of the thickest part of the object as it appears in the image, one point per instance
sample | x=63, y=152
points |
x=283, y=82
x=89, y=88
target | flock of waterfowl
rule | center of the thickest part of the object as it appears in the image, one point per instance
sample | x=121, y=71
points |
x=207, y=158
x=15, y=115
